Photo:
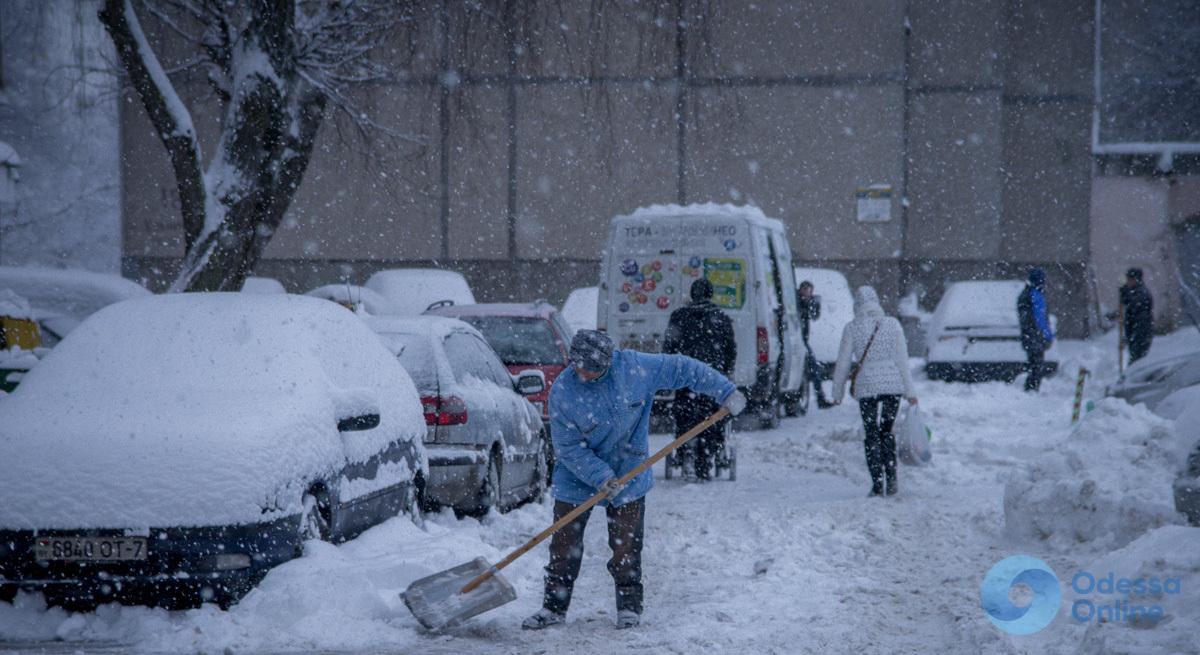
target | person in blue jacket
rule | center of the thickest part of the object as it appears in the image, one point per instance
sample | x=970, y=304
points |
x=1036, y=335
x=599, y=422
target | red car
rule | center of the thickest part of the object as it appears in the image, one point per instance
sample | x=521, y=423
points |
x=525, y=336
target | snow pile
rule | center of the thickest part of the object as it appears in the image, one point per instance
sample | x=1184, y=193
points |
x=342, y=598
x=1169, y=556
x=412, y=290
x=13, y=305
x=197, y=409
x=1108, y=482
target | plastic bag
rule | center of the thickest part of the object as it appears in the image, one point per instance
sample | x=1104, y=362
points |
x=912, y=438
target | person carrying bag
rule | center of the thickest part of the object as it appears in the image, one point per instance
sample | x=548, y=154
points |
x=877, y=383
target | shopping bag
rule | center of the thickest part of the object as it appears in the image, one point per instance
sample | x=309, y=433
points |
x=912, y=438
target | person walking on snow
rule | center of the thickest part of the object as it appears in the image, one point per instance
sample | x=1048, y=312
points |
x=876, y=342
x=1138, y=306
x=809, y=306
x=1036, y=335
x=600, y=419
x=701, y=331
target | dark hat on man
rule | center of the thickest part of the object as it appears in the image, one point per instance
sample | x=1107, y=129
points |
x=591, y=350
x=702, y=290
x=1134, y=273
x=1037, y=276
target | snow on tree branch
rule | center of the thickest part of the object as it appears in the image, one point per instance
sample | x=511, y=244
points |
x=167, y=112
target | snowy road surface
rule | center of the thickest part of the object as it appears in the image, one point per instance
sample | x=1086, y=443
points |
x=837, y=572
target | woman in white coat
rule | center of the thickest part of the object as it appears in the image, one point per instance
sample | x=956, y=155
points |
x=876, y=342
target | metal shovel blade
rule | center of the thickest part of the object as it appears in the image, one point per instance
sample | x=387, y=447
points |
x=436, y=602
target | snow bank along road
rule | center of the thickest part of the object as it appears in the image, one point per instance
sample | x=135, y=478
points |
x=791, y=558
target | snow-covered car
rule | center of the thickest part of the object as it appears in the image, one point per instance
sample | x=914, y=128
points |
x=354, y=297
x=525, y=336
x=485, y=442
x=263, y=285
x=411, y=291
x=172, y=449
x=579, y=309
x=975, y=334
x=1150, y=381
x=1187, y=485
x=837, y=309
x=1177, y=402
x=62, y=298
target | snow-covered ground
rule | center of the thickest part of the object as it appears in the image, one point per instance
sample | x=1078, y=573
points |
x=791, y=558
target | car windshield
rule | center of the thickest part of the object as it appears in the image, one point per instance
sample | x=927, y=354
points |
x=518, y=340
x=981, y=304
x=416, y=355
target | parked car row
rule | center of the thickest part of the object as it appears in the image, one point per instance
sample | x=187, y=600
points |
x=174, y=448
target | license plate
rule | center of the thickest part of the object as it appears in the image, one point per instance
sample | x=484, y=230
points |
x=89, y=549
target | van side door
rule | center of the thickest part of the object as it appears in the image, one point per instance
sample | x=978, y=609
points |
x=791, y=339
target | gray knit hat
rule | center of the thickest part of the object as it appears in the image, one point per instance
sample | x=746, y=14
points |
x=591, y=350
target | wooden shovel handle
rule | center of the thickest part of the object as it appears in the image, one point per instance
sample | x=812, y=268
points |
x=591, y=502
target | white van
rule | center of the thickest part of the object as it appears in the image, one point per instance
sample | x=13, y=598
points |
x=650, y=261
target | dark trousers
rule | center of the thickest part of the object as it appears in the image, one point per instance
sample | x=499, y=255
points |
x=879, y=417
x=812, y=368
x=1138, y=347
x=689, y=409
x=1037, y=368
x=626, y=527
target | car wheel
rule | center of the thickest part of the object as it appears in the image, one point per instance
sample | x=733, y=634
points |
x=489, y=491
x=315, y=518
x=797, y=403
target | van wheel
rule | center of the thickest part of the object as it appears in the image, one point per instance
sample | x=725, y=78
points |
x=768, y=415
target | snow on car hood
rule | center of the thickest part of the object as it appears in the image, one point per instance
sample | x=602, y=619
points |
x=85, y=466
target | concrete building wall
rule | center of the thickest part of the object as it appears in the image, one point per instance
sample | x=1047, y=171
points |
x=527, y=139
x=1132, y=227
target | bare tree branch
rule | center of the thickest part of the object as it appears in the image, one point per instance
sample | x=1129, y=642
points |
x=167, y=113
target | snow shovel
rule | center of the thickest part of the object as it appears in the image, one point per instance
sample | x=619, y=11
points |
x=450, y=597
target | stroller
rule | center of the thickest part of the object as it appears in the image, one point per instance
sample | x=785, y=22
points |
x=724, y=460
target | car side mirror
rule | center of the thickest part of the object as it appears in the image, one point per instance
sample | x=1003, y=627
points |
x=529, y=382
x=358, y=423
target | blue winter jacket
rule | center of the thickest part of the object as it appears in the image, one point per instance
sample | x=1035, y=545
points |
x=600, y=428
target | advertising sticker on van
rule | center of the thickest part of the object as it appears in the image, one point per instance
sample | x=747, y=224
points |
x=728, y=277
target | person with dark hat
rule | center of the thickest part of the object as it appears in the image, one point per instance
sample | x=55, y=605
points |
x=701, y=331
x=1036, y=335
x=600, y=420
x=1137, y=307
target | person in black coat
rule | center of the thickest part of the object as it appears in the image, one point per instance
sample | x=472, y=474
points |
x=1036, y=335
x=702, y=331
x=809, y=307
x=1138, y=306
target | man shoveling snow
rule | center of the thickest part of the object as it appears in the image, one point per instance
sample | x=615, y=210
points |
x=600, y=418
